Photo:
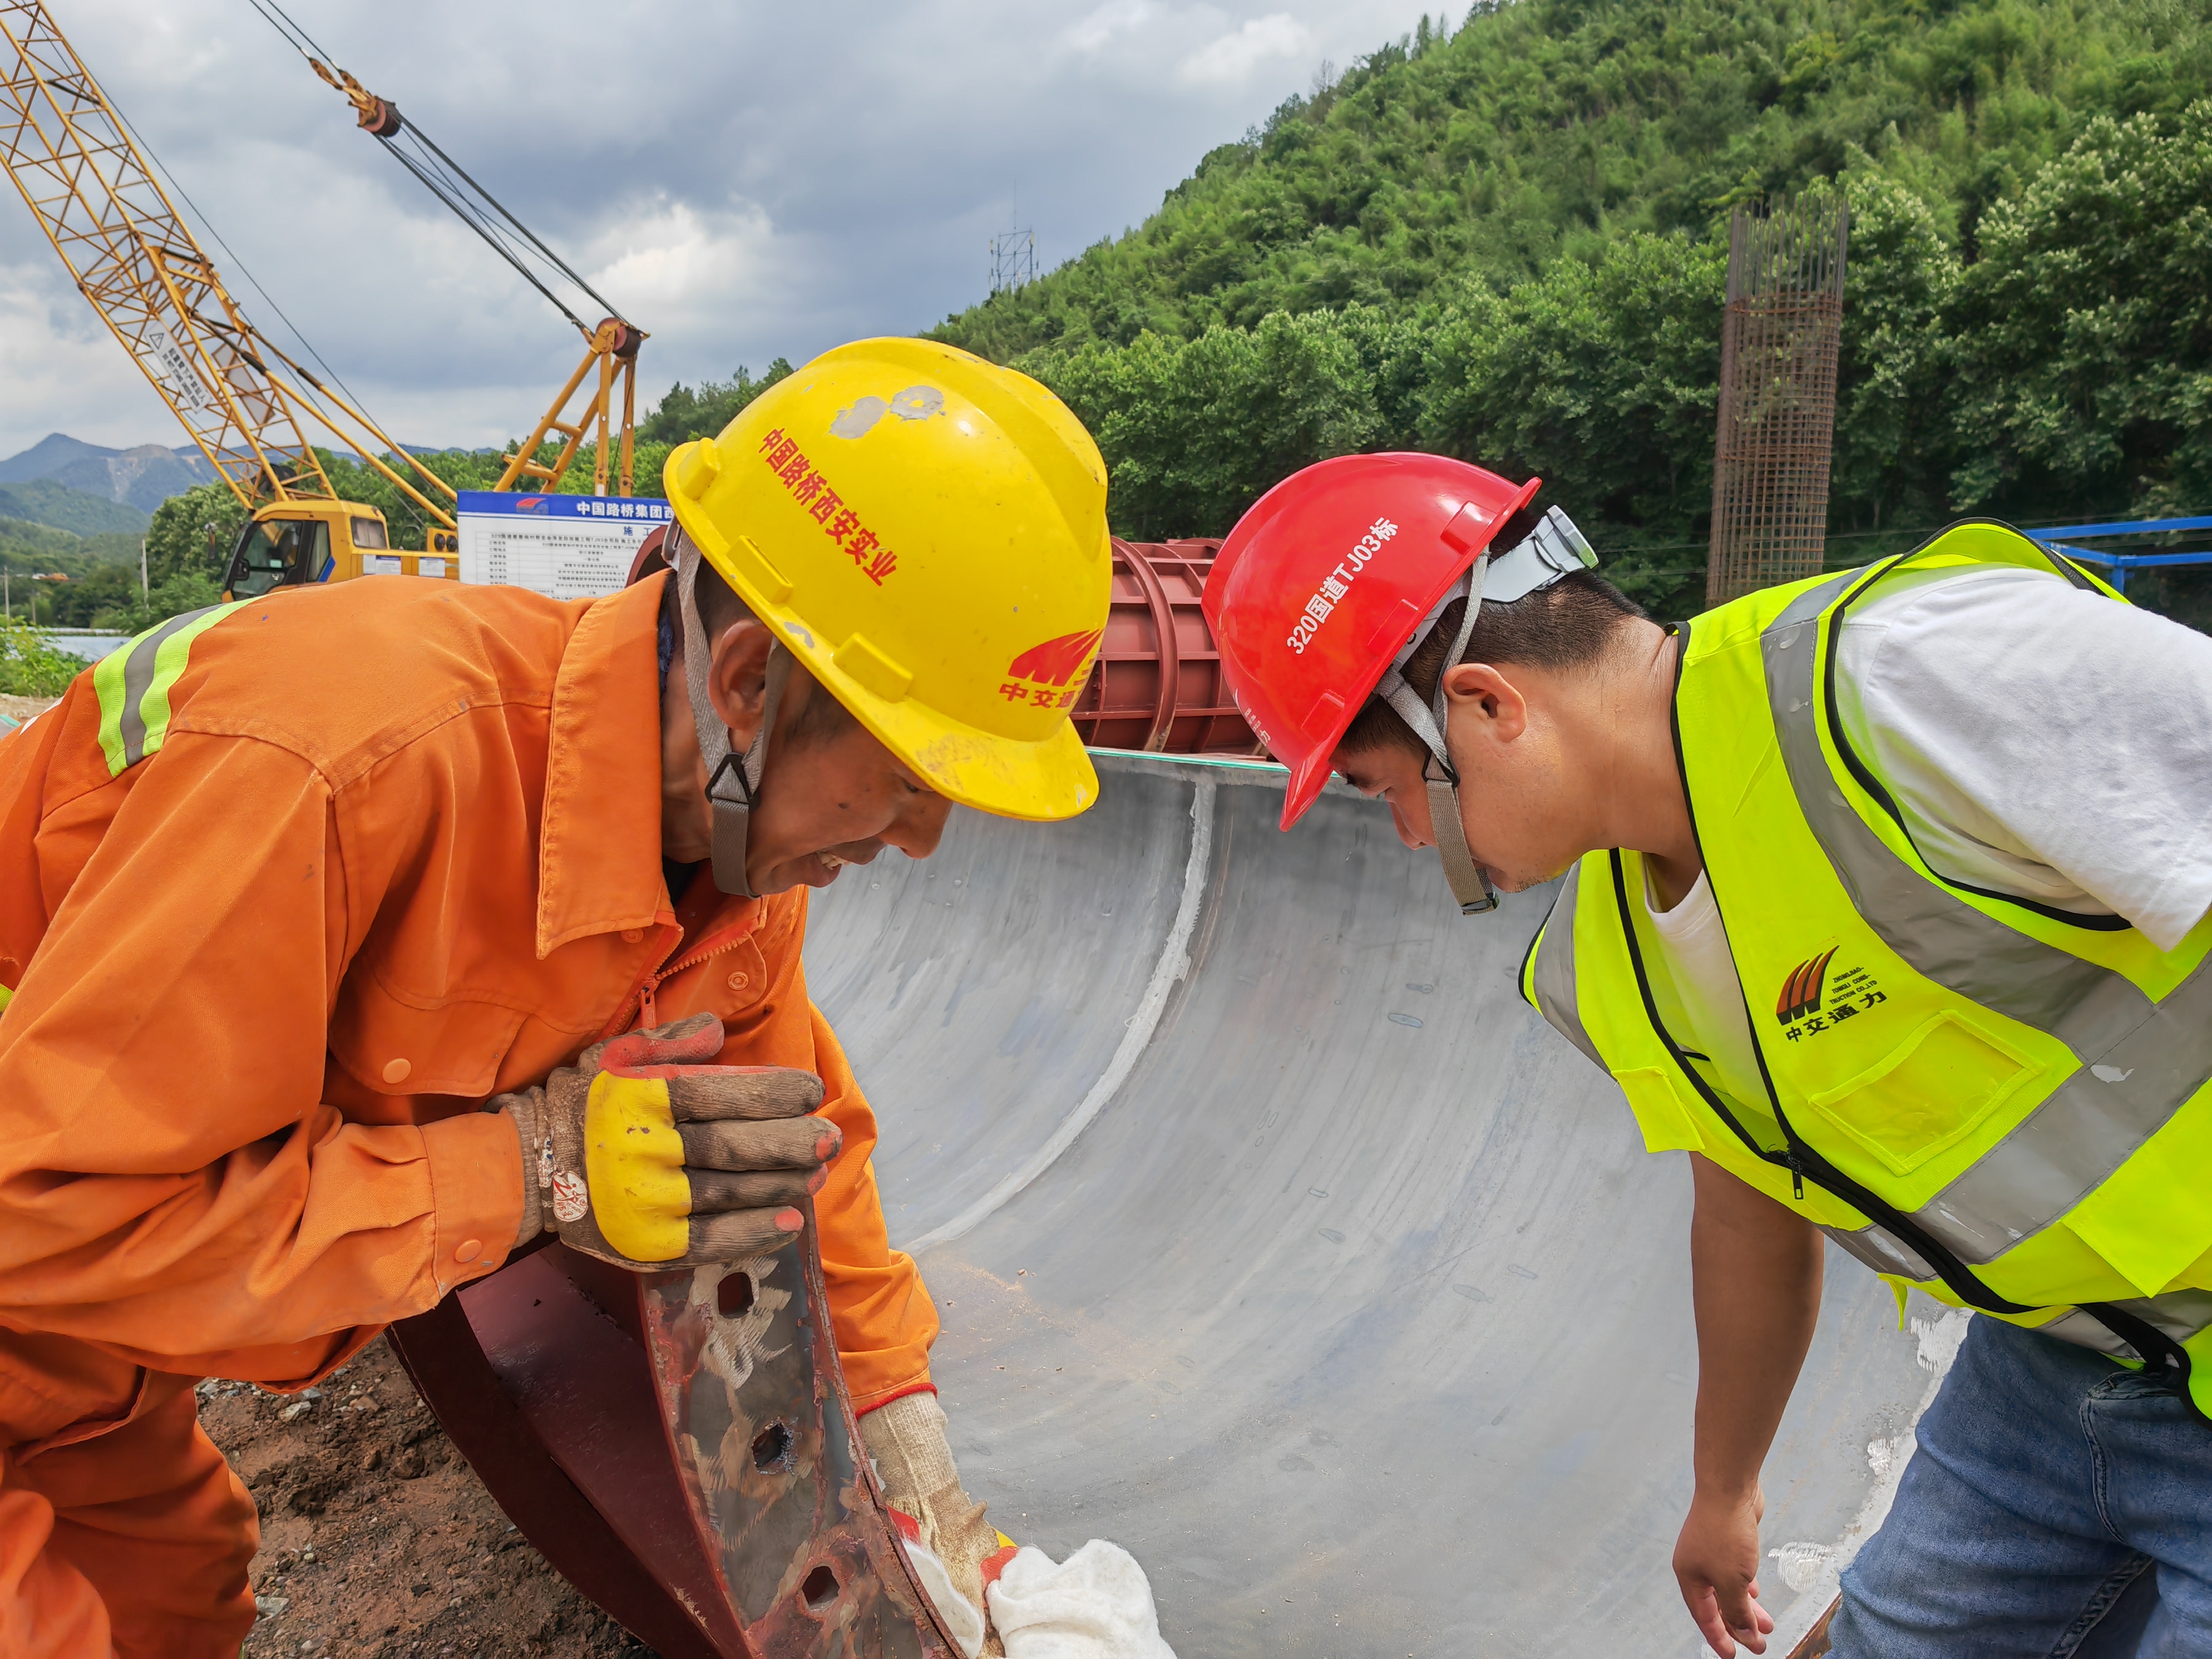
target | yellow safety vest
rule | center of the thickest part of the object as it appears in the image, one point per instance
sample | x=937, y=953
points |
x=2005, y=1105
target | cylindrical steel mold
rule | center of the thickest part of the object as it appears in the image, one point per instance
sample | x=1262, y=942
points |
x=1157, y=684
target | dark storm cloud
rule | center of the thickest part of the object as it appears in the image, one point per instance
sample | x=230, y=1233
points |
x=744, y=181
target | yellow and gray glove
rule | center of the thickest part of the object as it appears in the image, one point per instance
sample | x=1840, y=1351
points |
x=643, y=1155
x=907, y=1442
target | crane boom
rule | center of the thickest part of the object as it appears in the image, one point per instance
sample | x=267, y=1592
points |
x=247, y=404
x=138, y=262
x=90, y=186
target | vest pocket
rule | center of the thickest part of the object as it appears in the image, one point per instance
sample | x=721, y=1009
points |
x=1927, y=1094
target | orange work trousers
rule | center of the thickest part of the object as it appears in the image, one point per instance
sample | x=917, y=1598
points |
x=122, y=1531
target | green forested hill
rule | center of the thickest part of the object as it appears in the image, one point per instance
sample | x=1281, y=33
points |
x=1506, y=240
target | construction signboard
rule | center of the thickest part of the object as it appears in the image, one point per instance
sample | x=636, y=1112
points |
x=566, y=547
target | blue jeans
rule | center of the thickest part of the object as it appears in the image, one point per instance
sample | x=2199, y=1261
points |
x=2059, y=1507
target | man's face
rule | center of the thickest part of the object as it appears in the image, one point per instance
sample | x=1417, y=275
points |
x=832, y=795
x=1510, y=793
x=835, y=799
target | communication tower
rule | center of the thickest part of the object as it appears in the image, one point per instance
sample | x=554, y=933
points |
x=1013, y=260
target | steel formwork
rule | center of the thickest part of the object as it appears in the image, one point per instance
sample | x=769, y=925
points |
x=1779, y=340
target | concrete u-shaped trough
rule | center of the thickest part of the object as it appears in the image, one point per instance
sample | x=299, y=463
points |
x=1275, y=1239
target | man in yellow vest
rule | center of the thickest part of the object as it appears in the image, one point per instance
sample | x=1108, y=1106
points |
x=1884, y=895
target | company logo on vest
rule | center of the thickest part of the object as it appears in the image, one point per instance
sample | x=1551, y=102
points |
x=1801, y=992
x=1808, y=988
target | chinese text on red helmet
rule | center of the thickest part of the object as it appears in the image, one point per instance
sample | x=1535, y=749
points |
x=1337, y=583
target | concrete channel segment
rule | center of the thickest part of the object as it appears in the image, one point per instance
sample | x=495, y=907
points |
x=1277, y=1240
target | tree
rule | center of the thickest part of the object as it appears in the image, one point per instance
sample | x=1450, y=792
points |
x=1602, y=379
x=1891, y=460
x=2082, y=340
x=684, y=414
x=1193, y=431
x=193, y=533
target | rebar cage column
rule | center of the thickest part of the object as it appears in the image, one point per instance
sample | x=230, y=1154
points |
x=1779, y=340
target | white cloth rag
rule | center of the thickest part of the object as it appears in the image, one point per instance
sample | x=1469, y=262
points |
x=962, y=1618
x=1097, y=1604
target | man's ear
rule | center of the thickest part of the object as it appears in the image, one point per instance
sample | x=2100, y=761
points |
x=737, y=679
x=1495, y=701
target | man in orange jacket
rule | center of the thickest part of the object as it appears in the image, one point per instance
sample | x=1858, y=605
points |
x=295, y=887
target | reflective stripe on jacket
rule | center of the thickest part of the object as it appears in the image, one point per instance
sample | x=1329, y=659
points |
x=2007, y=1105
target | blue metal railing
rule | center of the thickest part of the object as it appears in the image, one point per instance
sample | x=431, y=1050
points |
x=2121, y=563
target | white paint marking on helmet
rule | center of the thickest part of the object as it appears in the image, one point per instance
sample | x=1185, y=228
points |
x=854, y=423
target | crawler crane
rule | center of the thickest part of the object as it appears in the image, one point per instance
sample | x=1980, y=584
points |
x=248, y=405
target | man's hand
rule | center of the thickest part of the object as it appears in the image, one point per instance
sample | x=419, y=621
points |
x=906, y=1442
x=1717, y=1565
x=1756, y=1280
x=643, y=1155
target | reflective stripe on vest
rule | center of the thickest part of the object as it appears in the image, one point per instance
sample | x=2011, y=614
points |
x=133, y=682
x=2118, y=1038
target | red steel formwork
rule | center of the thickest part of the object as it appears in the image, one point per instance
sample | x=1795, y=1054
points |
x=1157, y=682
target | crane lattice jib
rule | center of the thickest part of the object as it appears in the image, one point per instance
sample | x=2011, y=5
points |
x=138, y=262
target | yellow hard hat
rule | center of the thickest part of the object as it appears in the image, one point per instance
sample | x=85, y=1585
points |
x=926, y=532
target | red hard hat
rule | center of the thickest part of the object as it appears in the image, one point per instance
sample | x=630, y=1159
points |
x=1325, y=580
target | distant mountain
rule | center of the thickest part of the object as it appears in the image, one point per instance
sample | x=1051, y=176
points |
x=47, y=501
x=143, y=477
x=49, y=455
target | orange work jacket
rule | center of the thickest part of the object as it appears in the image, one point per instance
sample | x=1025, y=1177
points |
x=281, y=902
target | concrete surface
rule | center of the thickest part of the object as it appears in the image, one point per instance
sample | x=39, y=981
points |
x=1276, y=1240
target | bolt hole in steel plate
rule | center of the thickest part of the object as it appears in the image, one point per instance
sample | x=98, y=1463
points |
x=772, y=1448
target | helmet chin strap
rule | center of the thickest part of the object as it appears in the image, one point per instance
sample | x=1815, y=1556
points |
x=733, y=782
x=1470, y=886
x=1553, y=550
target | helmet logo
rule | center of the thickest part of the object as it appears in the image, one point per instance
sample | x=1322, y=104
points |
x=1055, y=661
x=1036, y=676
x=1337, y=584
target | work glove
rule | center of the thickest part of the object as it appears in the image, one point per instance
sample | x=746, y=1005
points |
x=906, y=1442
x=643, y=1155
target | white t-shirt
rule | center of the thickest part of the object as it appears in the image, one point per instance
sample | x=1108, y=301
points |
x=2040, y=741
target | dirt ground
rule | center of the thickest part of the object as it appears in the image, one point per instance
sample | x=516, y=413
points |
x=377, y=1540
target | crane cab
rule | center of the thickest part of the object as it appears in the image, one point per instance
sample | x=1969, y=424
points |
x=296, y=543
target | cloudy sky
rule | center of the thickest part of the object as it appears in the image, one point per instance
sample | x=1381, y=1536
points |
x=744, y=180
